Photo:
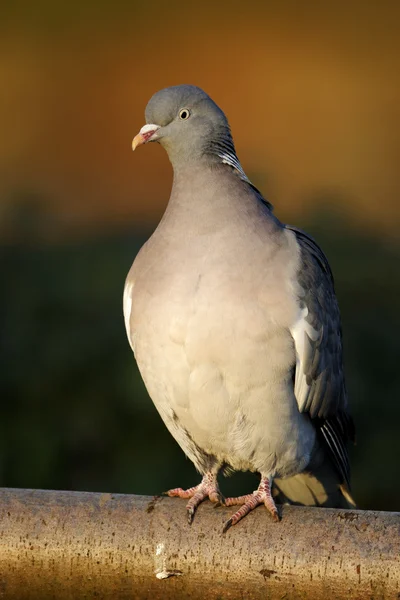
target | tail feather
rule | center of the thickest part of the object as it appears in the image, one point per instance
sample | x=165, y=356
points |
x=318, y=486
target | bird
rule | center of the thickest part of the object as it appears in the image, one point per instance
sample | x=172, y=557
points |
x=235, y=326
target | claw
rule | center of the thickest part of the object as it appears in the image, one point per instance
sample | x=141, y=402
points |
x=261, y=496
x=208, y=488
x=227, y=525
x=190, y=515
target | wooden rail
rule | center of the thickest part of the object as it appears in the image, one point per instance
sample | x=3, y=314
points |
x=76, y=545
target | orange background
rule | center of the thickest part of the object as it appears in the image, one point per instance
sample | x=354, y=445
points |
x=312, y=94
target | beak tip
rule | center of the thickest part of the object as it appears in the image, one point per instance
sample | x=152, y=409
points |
x=137, y=140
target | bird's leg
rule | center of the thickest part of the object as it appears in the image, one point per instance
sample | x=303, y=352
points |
x=261, y=496
x=207, y=488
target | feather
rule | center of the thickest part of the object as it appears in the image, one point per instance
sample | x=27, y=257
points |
x=319, y=377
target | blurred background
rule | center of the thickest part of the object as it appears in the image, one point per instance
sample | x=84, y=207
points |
x=313, y=97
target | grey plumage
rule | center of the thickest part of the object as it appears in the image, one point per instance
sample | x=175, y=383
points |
x=319, y=377
x=234, y=322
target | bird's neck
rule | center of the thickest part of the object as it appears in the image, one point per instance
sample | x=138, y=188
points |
x=207, y=196
x=203, y=187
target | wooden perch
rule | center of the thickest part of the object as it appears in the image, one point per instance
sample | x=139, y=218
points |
x=80, y=545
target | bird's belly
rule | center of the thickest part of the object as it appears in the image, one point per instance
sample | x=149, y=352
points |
x=220, y=377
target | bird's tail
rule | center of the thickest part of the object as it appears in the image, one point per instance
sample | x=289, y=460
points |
x=318, y=486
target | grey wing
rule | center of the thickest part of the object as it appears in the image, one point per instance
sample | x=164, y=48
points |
x=319, y=382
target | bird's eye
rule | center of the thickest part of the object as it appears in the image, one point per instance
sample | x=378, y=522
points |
x=184, y=114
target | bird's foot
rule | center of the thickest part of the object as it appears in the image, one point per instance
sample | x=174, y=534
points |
x=261, y=496
x=208, y=488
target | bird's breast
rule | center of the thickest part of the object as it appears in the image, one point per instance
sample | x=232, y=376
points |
x=210, y=336
x=215, y=312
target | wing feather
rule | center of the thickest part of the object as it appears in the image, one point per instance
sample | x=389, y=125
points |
x=319, y=377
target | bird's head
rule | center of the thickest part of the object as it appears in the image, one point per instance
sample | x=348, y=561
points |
x=188, y=124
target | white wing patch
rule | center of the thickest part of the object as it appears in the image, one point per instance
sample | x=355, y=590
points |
x=127, y=311
x=301, y=332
